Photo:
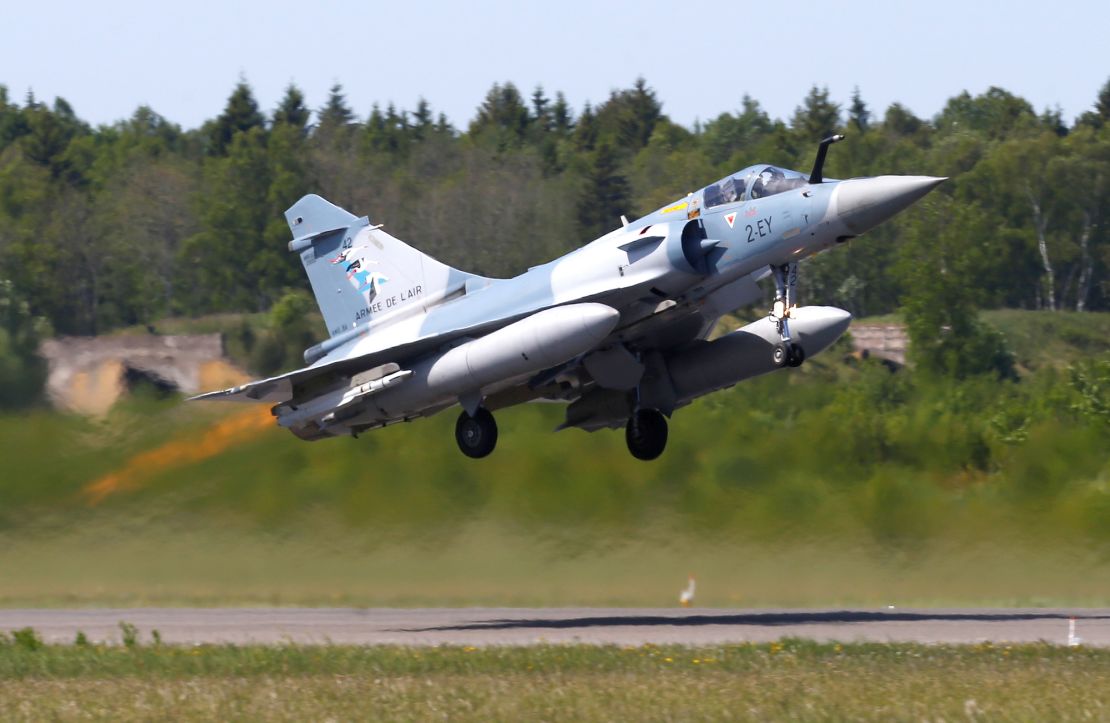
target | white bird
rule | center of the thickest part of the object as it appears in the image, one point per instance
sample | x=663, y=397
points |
x=687, y=596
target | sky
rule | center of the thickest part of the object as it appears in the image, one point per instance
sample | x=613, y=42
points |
x=184, y=58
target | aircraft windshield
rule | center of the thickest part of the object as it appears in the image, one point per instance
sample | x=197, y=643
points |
x=772, y=180
x=752, y=182
x=727, y=190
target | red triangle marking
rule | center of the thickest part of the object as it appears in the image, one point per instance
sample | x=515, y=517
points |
x=731, y=218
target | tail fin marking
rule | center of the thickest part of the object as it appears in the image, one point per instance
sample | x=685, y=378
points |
x=362, y=276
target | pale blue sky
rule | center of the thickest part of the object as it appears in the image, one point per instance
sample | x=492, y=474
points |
x=183, y=58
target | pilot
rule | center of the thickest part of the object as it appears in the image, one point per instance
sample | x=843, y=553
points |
x=757, y=188
x=768, y=183
x=737, y=185
x=775, y=183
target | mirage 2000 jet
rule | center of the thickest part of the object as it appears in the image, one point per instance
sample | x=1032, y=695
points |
x=617, y=329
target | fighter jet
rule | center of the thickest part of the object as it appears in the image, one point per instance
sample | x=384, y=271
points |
x=617, y=330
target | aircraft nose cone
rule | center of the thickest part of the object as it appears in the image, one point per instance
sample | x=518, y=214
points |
x=864, y=203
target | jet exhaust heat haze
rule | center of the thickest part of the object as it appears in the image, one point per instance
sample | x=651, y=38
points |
x=616, y=329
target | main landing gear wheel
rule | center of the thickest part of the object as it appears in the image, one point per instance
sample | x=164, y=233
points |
x=788, y=355
x=477, y=434
x=646, y=434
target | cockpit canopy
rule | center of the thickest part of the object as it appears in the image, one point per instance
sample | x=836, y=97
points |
x=751, y=183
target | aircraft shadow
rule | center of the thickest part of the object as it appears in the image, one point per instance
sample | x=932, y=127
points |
x=846, y=617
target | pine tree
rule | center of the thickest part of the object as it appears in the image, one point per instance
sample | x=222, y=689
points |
x=585, y=131
x=12, y=124
x=240, y=115
x=292, y=110
x=1103, y=104
x=858, y=114
x=443, y=126
x=1053, y=120
x=388, y=133
x=605, y=194
x=397, y=129
x=817, y=118
x=336, y=116
x=541, y=116
x=48, y=137
x=502, y=119
x=561, y=117
x=422, y=120
x=628, y=118
x=646, y=112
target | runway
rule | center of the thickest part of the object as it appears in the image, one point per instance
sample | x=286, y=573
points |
x=525, y=626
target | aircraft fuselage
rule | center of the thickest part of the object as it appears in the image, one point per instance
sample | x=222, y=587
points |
x=616, y=328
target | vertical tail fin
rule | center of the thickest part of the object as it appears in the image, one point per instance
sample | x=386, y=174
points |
x=360, y=274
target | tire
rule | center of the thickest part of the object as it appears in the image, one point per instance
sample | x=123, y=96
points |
x=646, y=434
x=780, y=356
x=476, y=435
x=795, y=355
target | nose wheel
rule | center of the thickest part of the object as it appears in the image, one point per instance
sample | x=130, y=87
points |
x=646, y=434
x=477, y=433
x=787, y=353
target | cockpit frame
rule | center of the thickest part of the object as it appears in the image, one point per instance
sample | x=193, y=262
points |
x=752, y=183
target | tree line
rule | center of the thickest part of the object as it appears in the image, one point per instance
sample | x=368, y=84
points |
x=122, y=224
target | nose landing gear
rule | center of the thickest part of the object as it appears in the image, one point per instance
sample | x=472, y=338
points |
x=787, y=353
x=477, y=433
x=646, y=434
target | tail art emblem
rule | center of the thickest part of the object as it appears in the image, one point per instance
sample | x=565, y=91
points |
x=364, y=280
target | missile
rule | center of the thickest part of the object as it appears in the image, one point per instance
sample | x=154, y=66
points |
x=483, y=365
x=327, y=406
x=746, y=352
x=708, y=366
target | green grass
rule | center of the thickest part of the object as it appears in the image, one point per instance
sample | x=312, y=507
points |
x=1045, y=338
x=1041, y=338
x=200, y=565
x=832, y=484
x=788, y=679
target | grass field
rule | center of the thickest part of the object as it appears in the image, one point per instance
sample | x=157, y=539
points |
x=1041, y=338
x=199, y=564
x=834, y=484
x=790, y=679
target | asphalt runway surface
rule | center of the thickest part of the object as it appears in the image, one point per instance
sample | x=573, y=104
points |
x=524, y=626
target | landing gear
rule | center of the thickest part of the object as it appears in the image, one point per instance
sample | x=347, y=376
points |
x=646, y=434
x=795, y=355
x=477, y=433
x=786, y=353
x=780, y=355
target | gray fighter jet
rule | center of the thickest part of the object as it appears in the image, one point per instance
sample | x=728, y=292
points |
x=616, y=329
